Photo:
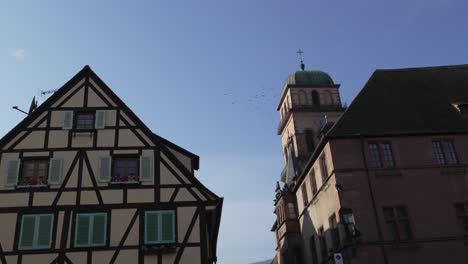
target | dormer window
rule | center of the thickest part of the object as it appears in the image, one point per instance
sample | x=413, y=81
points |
x=84, y=120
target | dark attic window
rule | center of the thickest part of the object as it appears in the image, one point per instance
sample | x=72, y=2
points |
x=463, y=108
x=84, y=120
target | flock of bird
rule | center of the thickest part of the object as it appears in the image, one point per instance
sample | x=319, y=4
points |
x=260, y=97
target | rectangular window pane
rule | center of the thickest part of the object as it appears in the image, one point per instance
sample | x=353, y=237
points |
x=35, y=172
x=405, y=230
x=392, y=226
x=313, y=182
x=374, y=156
x=437, y=148
x=85, y=120
x=304, y=194
x=387, y=155
x=309, y=135
x=398, y=223
x=450, y=153
x=125, y=170
x=323, y=168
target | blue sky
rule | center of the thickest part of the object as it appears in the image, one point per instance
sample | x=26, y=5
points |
x=207, y=74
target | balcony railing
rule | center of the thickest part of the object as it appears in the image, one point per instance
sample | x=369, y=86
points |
x=309, y=108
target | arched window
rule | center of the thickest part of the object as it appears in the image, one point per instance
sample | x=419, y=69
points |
x=302, y=97
x=329, y=97
x=315, y=98
x=309, y=137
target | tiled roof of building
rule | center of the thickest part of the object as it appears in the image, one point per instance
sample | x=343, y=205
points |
x=405, y=101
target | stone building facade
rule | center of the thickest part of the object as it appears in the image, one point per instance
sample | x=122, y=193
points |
x=381, y=181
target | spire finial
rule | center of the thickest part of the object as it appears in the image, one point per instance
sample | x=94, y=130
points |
x=300, y=52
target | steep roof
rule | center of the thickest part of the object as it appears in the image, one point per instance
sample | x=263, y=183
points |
x=404, y=101
x=87, y=71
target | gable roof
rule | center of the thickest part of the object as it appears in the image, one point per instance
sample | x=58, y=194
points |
x=402, y=101
x=405, y=101
x=88, y=72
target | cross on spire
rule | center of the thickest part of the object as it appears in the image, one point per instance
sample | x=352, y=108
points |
x=300, y=52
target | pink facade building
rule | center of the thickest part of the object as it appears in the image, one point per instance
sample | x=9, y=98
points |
x=381, y=181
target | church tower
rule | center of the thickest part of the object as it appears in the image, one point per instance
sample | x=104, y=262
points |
x=309, y=104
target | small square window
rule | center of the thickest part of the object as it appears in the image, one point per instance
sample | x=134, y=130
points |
x=125, y=170
x=84, y=120
x=34, y=173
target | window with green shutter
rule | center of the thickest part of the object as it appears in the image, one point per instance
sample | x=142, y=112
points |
x=105, y=164
x=100, y=121
x=55, y=171
x=12, y=172
x=67, y=120
x=146, y=168
x=159, y=227
x=36, y=231
x=91, y=230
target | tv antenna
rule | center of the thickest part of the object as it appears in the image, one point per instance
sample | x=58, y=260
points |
x=31, y=108
x=46, y=92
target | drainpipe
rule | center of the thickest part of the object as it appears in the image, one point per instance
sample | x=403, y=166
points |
x=372, y=196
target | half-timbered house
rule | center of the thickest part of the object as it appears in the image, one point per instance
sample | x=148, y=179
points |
x=84, y=180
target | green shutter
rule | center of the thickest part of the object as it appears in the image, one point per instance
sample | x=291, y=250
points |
x=55, y=171
x=105, y=169
x=100, y=121
x=91, y=230
x=67, y=119
x=82, y=230
x=36, y=231
x=12, y=172
x=159, y=227
x=99, y=229
x=28, y=224
x=151, y=227
x=146, y=168
x=167, y=226
x=44, y=234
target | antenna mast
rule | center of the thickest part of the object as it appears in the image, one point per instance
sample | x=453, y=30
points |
x=46, y=92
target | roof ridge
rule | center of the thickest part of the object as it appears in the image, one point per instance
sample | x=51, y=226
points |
x=426, y=67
